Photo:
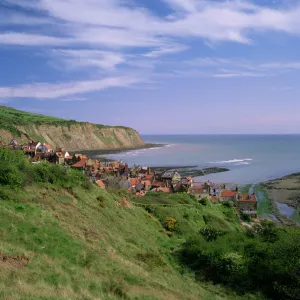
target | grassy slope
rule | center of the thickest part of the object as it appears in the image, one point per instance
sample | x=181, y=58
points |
x=10, y=118
x=80, y=250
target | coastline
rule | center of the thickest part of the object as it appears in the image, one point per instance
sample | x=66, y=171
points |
x=96, y=153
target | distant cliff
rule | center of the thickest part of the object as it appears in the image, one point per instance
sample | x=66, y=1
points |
x=68, y=134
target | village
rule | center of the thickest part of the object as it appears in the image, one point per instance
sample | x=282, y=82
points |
x=138, y=180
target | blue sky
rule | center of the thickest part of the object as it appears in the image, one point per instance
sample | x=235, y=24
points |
x=159, y=66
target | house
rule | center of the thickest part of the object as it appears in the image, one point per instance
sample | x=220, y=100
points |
x=247, y=204
x=80, y=165
x=200, y=191
x=14, y=143
x=62, y=156
x=29, y=152
x=125, y=184
x=215, y=189
x=81, y=156
x=44, y=148
x=226, y=195
x=163, y=190
x=214, y=198
x=139, y=187
x=147, y=185
x=134, y=182
x=156, y=184
x=101, y=184
x=32, y=145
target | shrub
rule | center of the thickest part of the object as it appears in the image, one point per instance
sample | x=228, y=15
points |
x=102, y=201
x=10, y=175
x=227, y=203
x=203, y=201
x=153, y=260
x=170, y=224
x=210, y=234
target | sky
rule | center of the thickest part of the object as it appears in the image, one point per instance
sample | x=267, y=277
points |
x=159, y=66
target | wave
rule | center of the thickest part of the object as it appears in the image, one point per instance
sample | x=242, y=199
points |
x=232, y=161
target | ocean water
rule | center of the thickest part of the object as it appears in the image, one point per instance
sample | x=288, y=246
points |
x=250, y=158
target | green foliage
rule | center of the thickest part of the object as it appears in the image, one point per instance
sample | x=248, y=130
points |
x=227, y=203
x=102, y=201
x=170, y=223
x=210, y=234
x=153, y=260
x=267, y=258
x=16, y=172
x=203, y=201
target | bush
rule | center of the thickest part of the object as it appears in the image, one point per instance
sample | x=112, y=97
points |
x=210, y=234
x=203, y=201
x=266, y=260
x=227, y=203
x=170, y=224
x=16, y=172
x=10, y=175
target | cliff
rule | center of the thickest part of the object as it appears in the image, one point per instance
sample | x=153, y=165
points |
x=68, y=134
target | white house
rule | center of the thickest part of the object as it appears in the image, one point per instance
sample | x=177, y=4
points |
x=45, y=148
x=32, y=145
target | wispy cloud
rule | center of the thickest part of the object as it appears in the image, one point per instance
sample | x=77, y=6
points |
x=122, y=38
x=111, y=23
x=235, y=67
x=79, y=58
x=54, y=91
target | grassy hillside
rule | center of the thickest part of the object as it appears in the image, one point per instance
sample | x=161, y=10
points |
x=14, y=117
x=63, y=238
x=69, y=134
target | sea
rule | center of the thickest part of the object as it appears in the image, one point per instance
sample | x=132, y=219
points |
x=249, y=158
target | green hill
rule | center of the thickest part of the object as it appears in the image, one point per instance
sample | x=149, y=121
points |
x=63, y=238
x=69, y=134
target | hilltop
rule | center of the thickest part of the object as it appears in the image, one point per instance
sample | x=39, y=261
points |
x=64, y=238
x=69, y=134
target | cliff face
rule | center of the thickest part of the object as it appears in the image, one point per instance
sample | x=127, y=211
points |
x=80, y=136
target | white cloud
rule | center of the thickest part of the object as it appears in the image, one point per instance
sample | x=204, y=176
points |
x=28, y=39
x=112, y=24
x=166, y=50
x=123, y=39
x=79, y=58
x=54, y=91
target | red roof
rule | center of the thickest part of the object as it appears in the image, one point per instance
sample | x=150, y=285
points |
x=247, y=198
x=134, y=181
x=214, y=198
x=149, y=177
x=48, y=146
x=81, y=156
x=163, y=190
x=157, y=184
x=226, y=193
x=80, y=164
x=100, y=183
x=115, y=164
x=147, y=183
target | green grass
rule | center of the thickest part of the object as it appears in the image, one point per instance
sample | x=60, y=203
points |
x=80, y=250
x=296, y=215
x=263, y=203
x=153, y=198
x=10, y=118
